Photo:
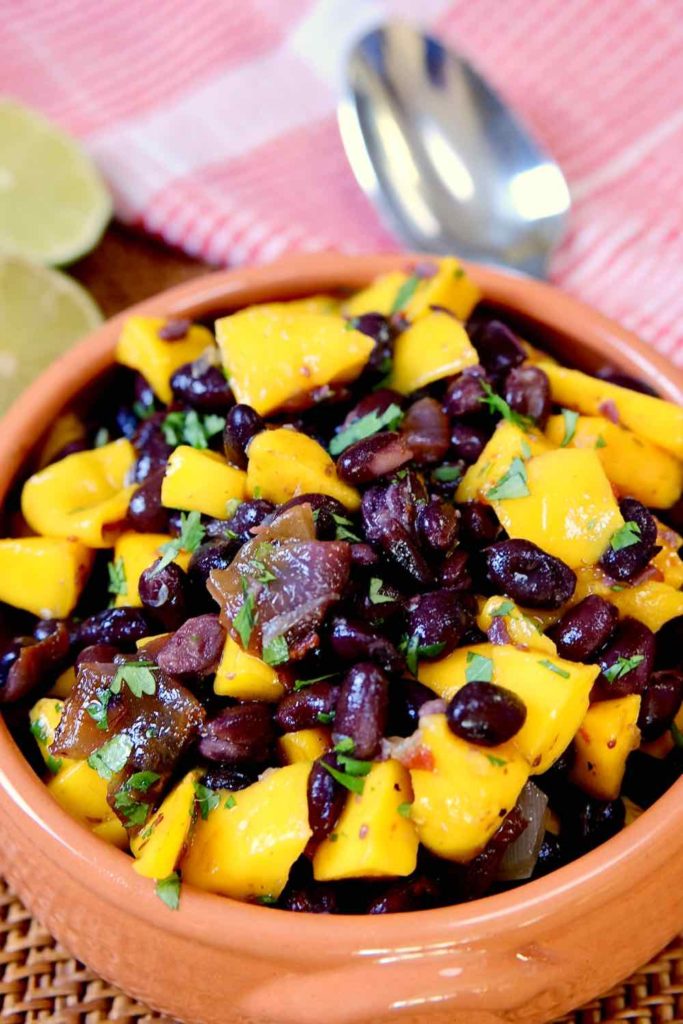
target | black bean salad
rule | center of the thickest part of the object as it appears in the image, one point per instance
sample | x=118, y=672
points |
x=350, y=605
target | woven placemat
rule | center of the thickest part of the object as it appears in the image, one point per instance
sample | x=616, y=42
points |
x=39, y=981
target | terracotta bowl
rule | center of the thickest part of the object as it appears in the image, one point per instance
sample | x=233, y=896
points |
x=526, y=955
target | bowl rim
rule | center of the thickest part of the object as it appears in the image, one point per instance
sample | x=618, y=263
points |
x=206, y=917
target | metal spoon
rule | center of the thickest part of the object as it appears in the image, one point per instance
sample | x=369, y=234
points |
x=448, y=166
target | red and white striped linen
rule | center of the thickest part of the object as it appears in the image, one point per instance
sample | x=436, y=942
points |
x=214, y=123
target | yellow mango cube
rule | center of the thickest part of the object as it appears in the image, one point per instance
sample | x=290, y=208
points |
x=284, y=463
x=412, y=296
x=522, y=629
x=570, y=511
x=309, y=304
x=374, y=836
x=634, y=466
x=201, y=481
x=64, y=683
x=83, y=497
x=244, y=676
x=158, y=847
x=304, y=745
x=140, y=347
x=652, y=602
x=246, y=846
x=435, y=346
x=276, y=357
x=605, y=738
x=112, y=832
x=461, y=803
x=507, y=442
x=555, y=693
x=43, y=575
x=378, y=297
x=44, y=717
x=654, y=419
x=135, y=552
x=668, y=561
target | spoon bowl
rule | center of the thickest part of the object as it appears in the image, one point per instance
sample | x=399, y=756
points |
x=449, y=167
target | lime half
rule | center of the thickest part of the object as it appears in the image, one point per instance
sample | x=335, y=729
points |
x=54, y=205
x=42, y=312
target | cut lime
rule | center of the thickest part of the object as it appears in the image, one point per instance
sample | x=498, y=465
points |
x=42, y=312
x=54, y=205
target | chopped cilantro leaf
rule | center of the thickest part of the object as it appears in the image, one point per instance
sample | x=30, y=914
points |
x=110, y=758
x=345, y=746
x=40, y=731
x=230, y=803
x=405, y=293
x=300, y=684
x=97, y=708
x=513, y=483
x=190, y=428
x=404, y=809
x=143, y=411
x=376, y=595
x=622, y=666
x=479, y=669
x=276, y=652
x=504, y=608
x=499, y=762
x=625, y=536
x=600, y=442
x=267, y=900
x=570, y=418
x=205, y=799
x=413, y=650
x=245, y=619
x=552, y=667
x=342, y=529
x=364, y=427
x=191, y=536
x=117, y=577
x=138, y=678
x=497, y=404
x=447, y=474
x=354, y=783
x=168, y=890
x=352, y=766
x=135, y=811
x=325, y=717
x=142, y=780
x=101, y=438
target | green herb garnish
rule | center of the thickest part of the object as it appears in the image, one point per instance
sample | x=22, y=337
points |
x=414, y=650
x=625, y=537
x=230, y=803
x=342, y=531
x=622, y=666
x=600, y=442
x=364, y=427
x=447, y=474
x=344, y=746
x=570, y=418
x=354, y=783
x=405, y=293
x=205, y=799
x=404, y=809
x=168, y=890
x=479, y=669
x=139, y=678
x=117, y=577
x=325, y=717
x=97, y=708
x=499, y=762
x=300, y=684
x=353, y=766
x=111, y=757
x=245, y=619
x=552, y=667
x=376, y=596
x=504, y=608
x=497, y=404
x=40, y=732
x=276, y=651
x=101, y=438
x=190, y=537
x=190, y=428
x=513, y=483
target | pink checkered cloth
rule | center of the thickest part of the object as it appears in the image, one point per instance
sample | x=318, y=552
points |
x=214, y=123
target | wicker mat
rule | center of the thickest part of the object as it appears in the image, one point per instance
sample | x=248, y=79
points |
x=39, y=981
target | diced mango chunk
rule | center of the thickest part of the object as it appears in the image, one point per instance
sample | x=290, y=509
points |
x=304, y=745
x=636, y=467
x=276, y=357
x=652, y=602
x=284, y=463
x=379, y=297
x=64, y=683
x=140, y=347
x=112, y=832
x=44, y=717
x=83, y=497
x=656, y=420
x=606, y=737
x=246, y=846
x=521, y=628
x=554, y=691
x=461, y=802
x=136, y=552
x=309, y=304
x=374, y=836
x=413, y=295
x=668, y=561
x=570, y=511
x=158, y=847
x=201, y=481
x=507, y=442
x=43, y=575
x=435, y=346
x=245, y=676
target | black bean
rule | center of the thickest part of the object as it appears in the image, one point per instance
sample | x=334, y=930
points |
x=437, y=526
x=310, y=899
x=498, y=348
x=364, y=556
x=214, y=554
x=376, y=606
x=375, y=326
x=660, y=703
x=103, y=653
x=202, y=386
x=398, y=501
x=627, y=562
x=326, y=798
x=247, y=516
x=303, y=709
x=144, y=396
x=352, y=640
x=527, y=391
x=418, y=893
x=373, y=457
x=125, y=420
x=530, y=576
x=464, y=393
x=166, y=593
x=241, y=424
x=327, y=511
x=377, y=401
x=195, y=648
x=151, y=446
x=146, y=514
x=648, y=778
x=486, y=714
x=630, y=640
x=425, y=429
x=550, y=856
x=478, y=524
x=467, y=442
x=587, y=823
x=120, y=627
x=583, y=630
x=362, y=709
x=242, y=734
x=406, y=697
x=225, y=777
x=455, y=573
x=624, y=380
x=441, y=618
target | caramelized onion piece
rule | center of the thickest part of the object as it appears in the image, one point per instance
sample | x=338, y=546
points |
x=35, y=662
